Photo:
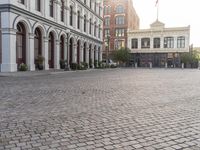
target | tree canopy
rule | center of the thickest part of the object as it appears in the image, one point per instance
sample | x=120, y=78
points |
x=122, y=55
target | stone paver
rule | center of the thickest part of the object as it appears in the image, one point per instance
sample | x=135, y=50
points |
x=121, y=109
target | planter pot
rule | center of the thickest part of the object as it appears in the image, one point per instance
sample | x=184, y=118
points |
x=40, y=67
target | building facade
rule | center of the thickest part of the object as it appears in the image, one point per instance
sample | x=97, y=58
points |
x=119, y=16
x=55, y=29
x=158, y=46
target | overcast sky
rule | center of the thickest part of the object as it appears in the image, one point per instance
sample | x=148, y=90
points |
x=173, y=13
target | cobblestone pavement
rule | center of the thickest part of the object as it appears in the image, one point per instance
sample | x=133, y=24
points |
x=120, y=109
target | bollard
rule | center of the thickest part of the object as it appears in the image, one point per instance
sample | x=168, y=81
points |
x=166, y=65
x=182, y=65
x=136, y=65
x=150, y=65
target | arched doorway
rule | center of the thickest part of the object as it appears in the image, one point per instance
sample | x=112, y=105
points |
x=37, y=44
x=84, y=52
x=90, y=56
x=71, y=51
x=78, y=51
x=21, y=44
x=51, y=50
x=94, y=53
x=62, y=47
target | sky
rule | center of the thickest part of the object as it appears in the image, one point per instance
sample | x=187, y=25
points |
x=174, y=13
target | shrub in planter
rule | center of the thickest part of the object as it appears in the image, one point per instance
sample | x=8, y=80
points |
x=23, y=67
x=39, y=62
x=85, y=65
x=95, y=63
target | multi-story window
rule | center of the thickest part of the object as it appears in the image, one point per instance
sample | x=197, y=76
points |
x=62, y=10
x=107, y=21
x=119, y=9
x=119, y=32
x=119, y=44
x=78, y=19
x=156, y=43
x=181, y=42
x=119, y=20
x=84, y=23
x=21, y=1
x=51, y=8
x=95, y=6
x=107, y=10
x=90, y=3
x=134, y=43
x=168, y=42
x=38, y=5
x=99, y=35
x=95, y=28
x=71, y=16
x=90, y=27
x=106, y=32
x=145, y=42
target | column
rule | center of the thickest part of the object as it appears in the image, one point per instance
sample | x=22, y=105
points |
x=81, y=52
x=46, y=53
x=67, y=13
x=8, y=51
x=75, y=17
x=151, y=42
x=139, y=43
x=31, y=63
x=57, y=55
x=66, y=50
x=92, y=56
x=58, y=10
x=100, y=52
x=74, y=53
x=87, y=54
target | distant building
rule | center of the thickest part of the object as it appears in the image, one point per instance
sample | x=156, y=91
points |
x=158, y=45
x=69, y=30
x=119, y=16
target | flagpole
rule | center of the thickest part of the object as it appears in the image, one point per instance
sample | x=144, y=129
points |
x=157, y=10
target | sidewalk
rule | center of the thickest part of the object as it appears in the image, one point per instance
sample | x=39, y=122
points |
x=31, y=73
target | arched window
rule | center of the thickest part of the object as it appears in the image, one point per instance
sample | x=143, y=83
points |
x=95, y=28
x=90, y=31
x=38, y=5
x=51, y=8
x=156, y=43
x=99, y=35
x=145, y=42
x=78, y=19
x=85, y=21
x=71, y=16
x=62, y=10
x=119, y=9
x=134, y=43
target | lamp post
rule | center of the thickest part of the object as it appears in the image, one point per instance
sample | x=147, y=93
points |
x=108, y=48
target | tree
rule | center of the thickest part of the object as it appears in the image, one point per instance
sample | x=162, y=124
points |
x=192, y=58
x=122, y=55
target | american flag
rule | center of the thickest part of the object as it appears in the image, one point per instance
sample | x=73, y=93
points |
x=157, y=2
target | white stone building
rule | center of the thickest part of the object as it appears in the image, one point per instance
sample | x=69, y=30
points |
x=55, y=29
x=158, y=45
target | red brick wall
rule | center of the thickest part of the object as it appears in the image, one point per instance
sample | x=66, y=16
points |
x=131, y=20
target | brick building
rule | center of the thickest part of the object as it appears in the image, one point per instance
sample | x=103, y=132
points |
x=119, y=16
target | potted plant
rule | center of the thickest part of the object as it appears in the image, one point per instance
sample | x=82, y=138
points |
x=62, y=64
x=23, y=67
x=39, y=62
